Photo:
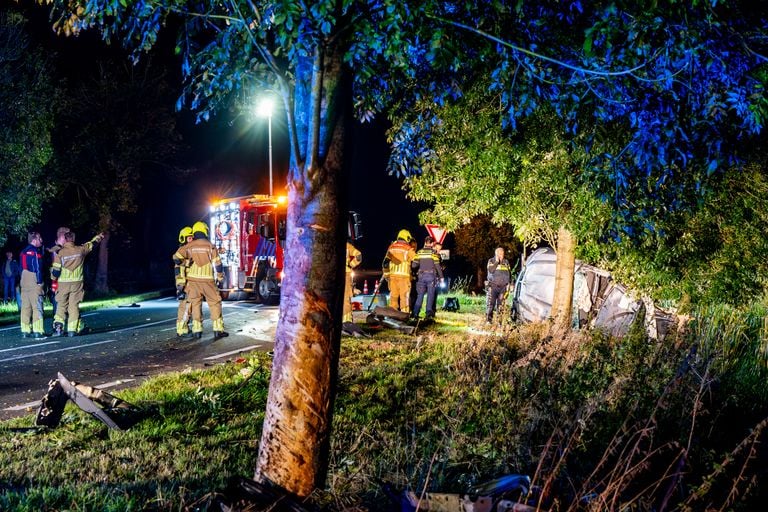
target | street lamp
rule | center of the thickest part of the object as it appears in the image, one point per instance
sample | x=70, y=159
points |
x=264, y=109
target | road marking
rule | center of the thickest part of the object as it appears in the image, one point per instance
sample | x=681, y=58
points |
x=88, y=314
x=10, y=328
x=144, y=325
x=23, y=407
x=26, y=356
x=254, y=336
x=29, y=346
x=225, y=354
x=36, y=403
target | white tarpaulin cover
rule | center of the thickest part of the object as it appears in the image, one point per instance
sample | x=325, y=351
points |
x=598, y=301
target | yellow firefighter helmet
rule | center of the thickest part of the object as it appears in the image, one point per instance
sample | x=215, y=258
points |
x=404, y=234
x=200, y=227
x=184, y=233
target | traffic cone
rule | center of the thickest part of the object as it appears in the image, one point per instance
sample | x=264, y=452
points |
x=376, y=285
x=365, y=287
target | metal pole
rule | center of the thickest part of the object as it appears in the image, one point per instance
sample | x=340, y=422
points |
x=270, y=154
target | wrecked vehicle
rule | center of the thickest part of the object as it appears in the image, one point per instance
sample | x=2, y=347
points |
x=599, y=302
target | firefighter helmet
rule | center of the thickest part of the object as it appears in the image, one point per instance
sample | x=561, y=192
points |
x=404, y=234
x=200, y=227
x=184, y=233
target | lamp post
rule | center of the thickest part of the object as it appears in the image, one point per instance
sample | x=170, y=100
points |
x=264, y=109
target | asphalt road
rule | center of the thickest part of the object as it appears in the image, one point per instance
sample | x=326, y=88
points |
x=125, y=346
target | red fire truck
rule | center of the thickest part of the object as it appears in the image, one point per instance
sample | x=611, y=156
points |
x=249, y=233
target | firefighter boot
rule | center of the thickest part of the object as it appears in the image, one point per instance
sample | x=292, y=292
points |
x=58, y=327
x=220, y=334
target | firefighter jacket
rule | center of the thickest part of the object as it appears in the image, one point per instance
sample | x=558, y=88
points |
x=200, y=260
x=499, y=273
x=31, y=261
x=68, y=263
x=427, y=263
x=400, y=255
x=354, y=257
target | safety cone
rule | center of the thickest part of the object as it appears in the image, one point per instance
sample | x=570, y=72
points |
x=365, y=287
x=376, y=286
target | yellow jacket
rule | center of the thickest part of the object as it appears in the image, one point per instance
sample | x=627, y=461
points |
x=68, y=262
x=400, y=255
x=202, y=260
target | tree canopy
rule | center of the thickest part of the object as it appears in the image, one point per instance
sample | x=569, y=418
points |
x=27, y=99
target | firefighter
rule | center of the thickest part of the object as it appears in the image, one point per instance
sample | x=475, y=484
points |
x=499, y=277
x=67, y=269
x=354, y=258
x=63, y=230
x=185, y=307
x=203, y=273
x=429, y=272
x=31, y=317
x=400, y=254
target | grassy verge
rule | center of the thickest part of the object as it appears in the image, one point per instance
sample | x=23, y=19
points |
x=598, y=423
x=9, y=313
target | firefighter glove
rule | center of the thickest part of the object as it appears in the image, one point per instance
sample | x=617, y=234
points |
x=180, y=293
x=219, y=278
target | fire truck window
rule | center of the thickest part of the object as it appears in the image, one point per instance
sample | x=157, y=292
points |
x=266, y=226
x=281, y=229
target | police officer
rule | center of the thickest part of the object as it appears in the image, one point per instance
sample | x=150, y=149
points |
x=31, y=317
x=499, y=277
x=202, y=274
x=400, y=254
x=354, y=258
x=185, y=307
x=429, y=272
x=67, y=269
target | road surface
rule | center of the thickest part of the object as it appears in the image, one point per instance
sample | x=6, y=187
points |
x=126, y=345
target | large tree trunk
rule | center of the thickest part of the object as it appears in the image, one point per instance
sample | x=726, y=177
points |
x=564, y=272
x=293, y=452
x=101, y=283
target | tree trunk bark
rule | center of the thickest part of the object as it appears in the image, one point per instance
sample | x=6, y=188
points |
x=101, y=283
x=564, y=272
x=293, y=452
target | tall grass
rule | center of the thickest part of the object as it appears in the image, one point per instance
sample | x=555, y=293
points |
x=598, y=424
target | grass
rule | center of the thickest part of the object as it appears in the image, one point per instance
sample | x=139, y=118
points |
x=598, y=423
x=9, y=313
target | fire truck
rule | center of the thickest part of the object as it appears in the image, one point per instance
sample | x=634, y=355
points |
x=249, y=233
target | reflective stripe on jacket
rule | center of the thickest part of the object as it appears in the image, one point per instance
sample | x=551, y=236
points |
x=70, y=262
x=31, y=261
x=499, y=274
x=428, y=262
x=400, y=255
x=354, y=257
x=202, y=260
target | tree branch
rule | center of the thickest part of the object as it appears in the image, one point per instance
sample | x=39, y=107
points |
x=532, y=53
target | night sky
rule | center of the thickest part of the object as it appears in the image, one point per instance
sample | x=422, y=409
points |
x=230, y=154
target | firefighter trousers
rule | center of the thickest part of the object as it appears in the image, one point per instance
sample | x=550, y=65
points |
x=399, y=292
x=347, y=298
x=183, y=317
x=31, y=318
x=68, y=298
x=196, y=292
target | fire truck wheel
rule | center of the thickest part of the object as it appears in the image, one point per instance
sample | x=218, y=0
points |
x=265, y=297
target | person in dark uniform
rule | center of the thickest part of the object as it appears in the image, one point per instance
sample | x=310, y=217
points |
x=499, y=277
x=429, y=272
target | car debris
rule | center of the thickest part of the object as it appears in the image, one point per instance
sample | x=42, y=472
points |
x=503, y=494
x=112, y=411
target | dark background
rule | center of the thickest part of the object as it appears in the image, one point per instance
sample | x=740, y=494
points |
x=228, y=156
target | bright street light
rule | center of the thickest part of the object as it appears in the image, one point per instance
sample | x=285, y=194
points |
x=264, y=109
